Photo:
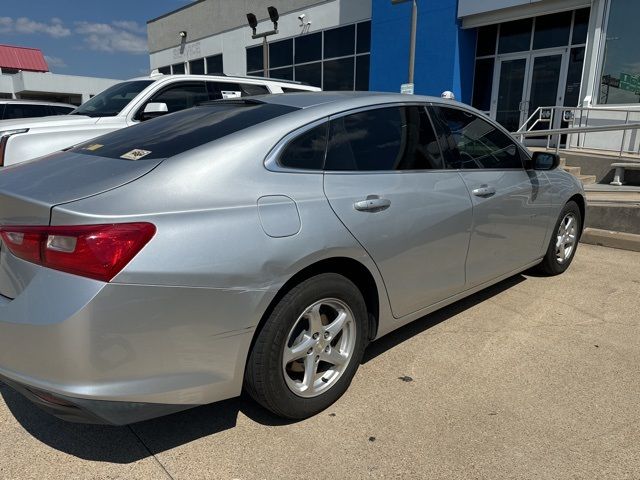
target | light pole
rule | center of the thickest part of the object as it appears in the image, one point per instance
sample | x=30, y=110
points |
x=253, y=23
x=412, y=42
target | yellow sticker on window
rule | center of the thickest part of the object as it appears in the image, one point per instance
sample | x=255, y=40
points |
x=93, y=147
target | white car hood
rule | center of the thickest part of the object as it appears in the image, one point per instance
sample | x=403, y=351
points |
x=56, y=121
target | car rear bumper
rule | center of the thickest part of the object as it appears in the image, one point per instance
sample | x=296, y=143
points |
x=113, y=353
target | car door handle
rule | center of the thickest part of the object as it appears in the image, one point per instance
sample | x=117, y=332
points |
x=484, y=191
x=372, y=204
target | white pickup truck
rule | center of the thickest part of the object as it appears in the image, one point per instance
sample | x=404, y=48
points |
x=123, y=105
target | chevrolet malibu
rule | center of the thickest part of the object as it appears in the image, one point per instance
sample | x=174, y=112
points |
x=260, y=243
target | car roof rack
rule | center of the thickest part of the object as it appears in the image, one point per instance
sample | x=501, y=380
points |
x=254, y=77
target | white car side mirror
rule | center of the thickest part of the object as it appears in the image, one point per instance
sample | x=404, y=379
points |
x=154, y=109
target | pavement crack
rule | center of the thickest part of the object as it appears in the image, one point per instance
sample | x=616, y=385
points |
x=151, y=454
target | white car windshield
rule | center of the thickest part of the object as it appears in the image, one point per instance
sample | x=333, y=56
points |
x=111, y=102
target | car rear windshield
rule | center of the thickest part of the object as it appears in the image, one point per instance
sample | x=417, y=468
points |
x=182, y=131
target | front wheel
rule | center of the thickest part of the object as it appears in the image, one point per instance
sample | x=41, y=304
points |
x=309, y=348
x=564, y=242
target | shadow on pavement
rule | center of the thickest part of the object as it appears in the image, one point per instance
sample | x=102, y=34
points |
x=119, y=444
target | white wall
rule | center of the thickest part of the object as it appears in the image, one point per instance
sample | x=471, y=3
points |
x=62, y=84
x=233, y=43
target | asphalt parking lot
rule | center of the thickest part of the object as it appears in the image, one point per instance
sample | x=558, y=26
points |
x=534, y=378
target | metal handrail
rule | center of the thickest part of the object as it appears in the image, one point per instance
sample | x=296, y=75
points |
x=573, y=116
x=573, y=130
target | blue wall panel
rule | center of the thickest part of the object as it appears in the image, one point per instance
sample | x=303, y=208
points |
x=444, y=55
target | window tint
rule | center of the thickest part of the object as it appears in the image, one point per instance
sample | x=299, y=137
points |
x=338, y=74
x=281, y=73
x=552, y=30
x=59, y=110
x=398, y=138
x=339, y=42
x=470, y=142
x=165, y=70
x=362, y=72
x=364, y=37
x=311, y=74
x=196, y=67
x=281, y=53
x=307, y=151
x=25, y=111
x=486, y=40
x=309, y=48
x=515, y=36
x=254, y=59
x=174, y=134
x=182, y=95
x=215, y=64
x=178, y=69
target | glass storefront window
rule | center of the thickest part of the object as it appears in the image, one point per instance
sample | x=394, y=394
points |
x=620, y=82
x=515, y=36
x=281, y=53
x=581, y=26
x=483, y=81
x=552, y=30
x=487, y=40
x=334, y=59
x=214, y=64
x=196, y=67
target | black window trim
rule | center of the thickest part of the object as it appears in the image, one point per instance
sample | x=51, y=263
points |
x=525, y=154
x=272, y=160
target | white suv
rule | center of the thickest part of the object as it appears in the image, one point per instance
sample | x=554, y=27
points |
x=123, y=105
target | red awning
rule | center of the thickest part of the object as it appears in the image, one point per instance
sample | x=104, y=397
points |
x=21, y=58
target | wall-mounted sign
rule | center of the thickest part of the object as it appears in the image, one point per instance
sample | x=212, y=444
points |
x=407, y=88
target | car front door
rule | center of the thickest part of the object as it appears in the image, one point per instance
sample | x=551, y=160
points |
x=511, y=205
x=385, y=180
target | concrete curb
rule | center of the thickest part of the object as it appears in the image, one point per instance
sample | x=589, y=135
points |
x=611, y=239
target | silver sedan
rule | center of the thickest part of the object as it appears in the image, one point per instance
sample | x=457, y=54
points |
x=260, y=243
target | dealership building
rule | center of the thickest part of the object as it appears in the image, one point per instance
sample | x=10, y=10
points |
x=505, y=57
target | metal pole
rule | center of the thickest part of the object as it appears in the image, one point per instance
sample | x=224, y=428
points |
x=412, y=48
x=265, y=56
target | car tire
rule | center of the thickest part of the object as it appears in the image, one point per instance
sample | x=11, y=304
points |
x=565, y=235
x=293, y=389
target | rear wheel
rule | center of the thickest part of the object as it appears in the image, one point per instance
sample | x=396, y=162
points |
x=564, y=241
x=309, y=348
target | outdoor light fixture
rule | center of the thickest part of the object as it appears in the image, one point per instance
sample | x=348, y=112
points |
x=183, y=34
x=253, y=23
x=274, y=16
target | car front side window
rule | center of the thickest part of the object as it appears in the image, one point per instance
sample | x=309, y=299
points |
x=470, y=142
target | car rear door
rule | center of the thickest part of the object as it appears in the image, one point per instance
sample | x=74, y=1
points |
x=511, y=205
x=385, y=180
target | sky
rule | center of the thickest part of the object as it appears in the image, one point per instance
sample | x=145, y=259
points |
x=98, y=38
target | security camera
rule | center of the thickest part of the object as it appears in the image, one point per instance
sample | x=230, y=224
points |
x=183, y=34
x=301, y=17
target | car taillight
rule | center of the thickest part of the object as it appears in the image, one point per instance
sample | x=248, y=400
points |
x=95, y=251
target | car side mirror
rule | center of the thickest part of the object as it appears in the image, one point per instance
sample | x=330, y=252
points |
x=153, y=110
x=545, y=161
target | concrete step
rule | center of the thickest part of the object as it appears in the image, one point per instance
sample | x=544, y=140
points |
x=572, y=170
x=587, y=179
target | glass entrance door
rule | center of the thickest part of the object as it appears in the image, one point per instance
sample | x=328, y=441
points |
x=511, y=90
x=525, y=83
x=544, y=82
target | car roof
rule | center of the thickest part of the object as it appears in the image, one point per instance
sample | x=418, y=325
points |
x=36, y=102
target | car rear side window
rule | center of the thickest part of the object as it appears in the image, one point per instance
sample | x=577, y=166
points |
x=396, y=138
x=470, y=142
x=182, y=131
x=180, y=96
x=307, y=151
x=16, y=110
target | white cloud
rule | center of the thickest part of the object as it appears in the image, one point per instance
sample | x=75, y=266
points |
x=55, y=29
x=6, y=24
x=56, y=62
x=130, y=25
x=113, y=37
